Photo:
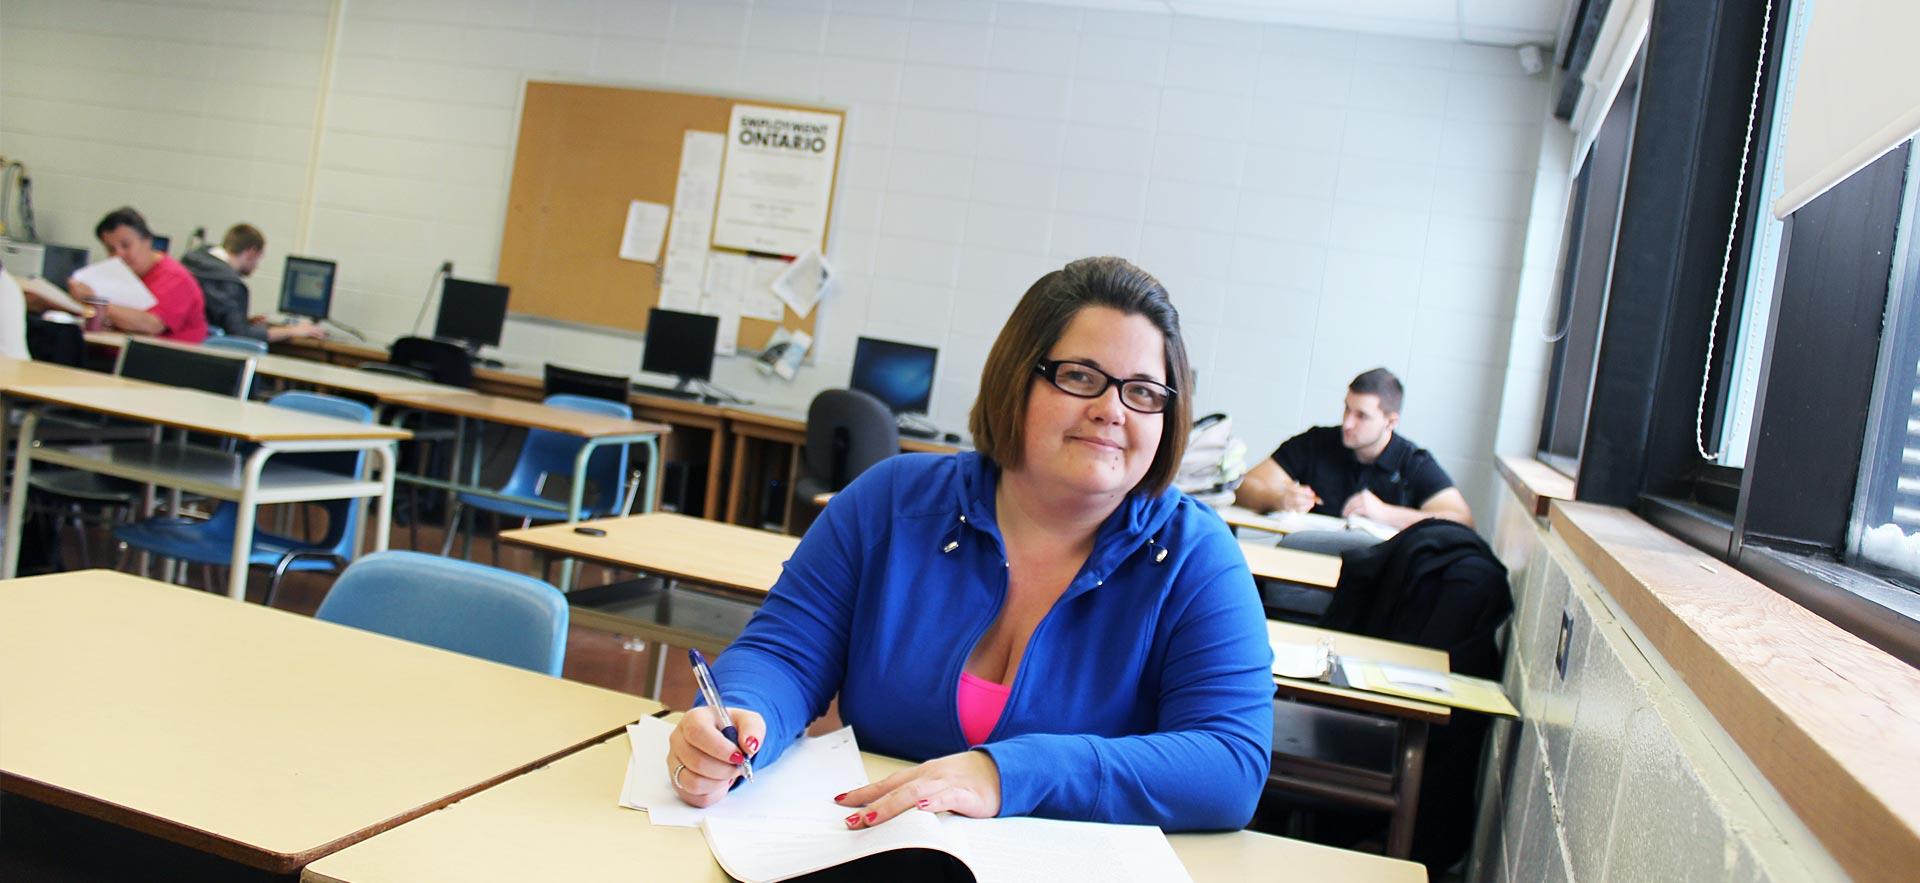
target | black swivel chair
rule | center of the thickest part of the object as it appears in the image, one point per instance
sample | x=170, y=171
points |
x=446, y=363
x=574, y=382
x=62, y=343
x=847, y=432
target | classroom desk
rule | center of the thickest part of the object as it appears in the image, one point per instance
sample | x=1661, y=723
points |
x=752, y=427
x=248, y=480
x=563, y=822
x=1399, y=793
x=1315, y=569
x=258, y=735
x=741, y=563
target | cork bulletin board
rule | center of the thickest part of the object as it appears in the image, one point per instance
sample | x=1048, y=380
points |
x=584, y=152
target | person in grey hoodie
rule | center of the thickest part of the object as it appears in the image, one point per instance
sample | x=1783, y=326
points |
x=222, y=270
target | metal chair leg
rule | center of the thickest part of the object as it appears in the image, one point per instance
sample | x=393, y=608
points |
x=453, y=526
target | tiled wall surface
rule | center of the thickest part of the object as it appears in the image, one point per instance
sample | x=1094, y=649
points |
x=1318, y=202
x=1616, y=772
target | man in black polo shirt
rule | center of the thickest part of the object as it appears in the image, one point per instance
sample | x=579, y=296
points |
x=1357, y=468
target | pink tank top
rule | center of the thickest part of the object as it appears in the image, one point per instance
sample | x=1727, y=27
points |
x=981, y=702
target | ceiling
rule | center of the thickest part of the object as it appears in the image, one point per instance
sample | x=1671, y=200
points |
x=1501, y=22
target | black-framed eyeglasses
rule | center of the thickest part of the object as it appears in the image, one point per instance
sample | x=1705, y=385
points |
x=1082, y=380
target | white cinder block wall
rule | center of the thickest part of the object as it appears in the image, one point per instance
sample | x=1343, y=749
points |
x=1319, y=203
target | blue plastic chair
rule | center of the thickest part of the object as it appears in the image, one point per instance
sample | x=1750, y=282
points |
x=248, y=345
x=211, y=541
x=455, y=605
x=551, y=453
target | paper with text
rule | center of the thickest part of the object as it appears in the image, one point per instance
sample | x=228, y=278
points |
x=800, y=787
x=646, y=226
x=114, y=280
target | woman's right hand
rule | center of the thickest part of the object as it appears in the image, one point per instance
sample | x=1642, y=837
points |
x=701, y=763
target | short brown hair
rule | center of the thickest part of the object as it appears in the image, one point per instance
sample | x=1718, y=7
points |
x=243, y=238
x=1382, y=383
x=1006, y=382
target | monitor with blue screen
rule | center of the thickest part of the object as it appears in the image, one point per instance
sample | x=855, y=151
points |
x=306, y=288
x=899, y=374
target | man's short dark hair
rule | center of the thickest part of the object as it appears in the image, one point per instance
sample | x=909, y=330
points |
x=243, y=238
x=1382, y=383
x=124, y=216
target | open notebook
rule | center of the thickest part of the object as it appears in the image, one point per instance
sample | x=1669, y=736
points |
x=785, y=823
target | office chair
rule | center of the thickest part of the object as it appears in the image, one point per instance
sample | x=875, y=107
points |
x=847, y=432
x=444, y=362
x=210, y=542
x=546, y=453
x=244, y=345
x=571, y=381
x=454, y=605
x=62, y=343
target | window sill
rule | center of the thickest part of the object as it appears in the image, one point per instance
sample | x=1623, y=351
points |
x=1534, y=482
x=1826, y=717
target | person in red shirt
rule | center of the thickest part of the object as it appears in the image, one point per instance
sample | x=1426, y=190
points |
x=178, y=312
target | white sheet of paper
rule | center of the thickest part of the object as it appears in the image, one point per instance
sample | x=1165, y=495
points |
x=1297, y=660
x=778, y=179
x=1014, y=850
x=646, y=227
x=52, y=293
x=804, y=281
x=799, y=787
x=115, y=281
x=758, y=300
x=684, y=270
x=727, y=336
x=1417, y=679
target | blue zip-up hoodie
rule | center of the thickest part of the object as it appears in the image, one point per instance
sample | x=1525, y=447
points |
x=1144, y=695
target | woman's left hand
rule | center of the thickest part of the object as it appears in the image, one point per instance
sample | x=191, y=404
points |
x=967, y=784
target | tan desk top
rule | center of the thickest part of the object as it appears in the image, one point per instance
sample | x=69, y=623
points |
x=197, y=411
x=564, y=823
x=1361, y=647
x=711, y=553
x=22, y=372
x=1315, y=569
x=790, y=425
x=531, y=415
x=329, y=376
x=256, y=734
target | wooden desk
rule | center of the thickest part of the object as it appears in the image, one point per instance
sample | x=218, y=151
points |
x=1400, y=795
x=1314, y=569
x=741, y=562
x=753, y=426
x=258, y=735
x=564, y=823
x=248, y=479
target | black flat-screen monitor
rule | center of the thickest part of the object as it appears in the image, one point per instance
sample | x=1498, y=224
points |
x=59, y=262
x=900, y=374
x=162, y=243
x=680, y=344
x=306, y=287
x=473, y=312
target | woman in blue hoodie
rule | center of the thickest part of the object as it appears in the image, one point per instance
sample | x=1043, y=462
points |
x=1046, y=623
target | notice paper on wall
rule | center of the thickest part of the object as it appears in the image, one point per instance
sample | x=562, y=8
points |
x=803, y=282
x=743, y=284
x=778, y=179
x=646, y=226
x=685, y=269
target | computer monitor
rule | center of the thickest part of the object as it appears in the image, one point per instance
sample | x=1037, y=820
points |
x=471, y=312
x=680, y=344
x=60, y=261
x=162, y=243
x=306, y=287
x=900, y=374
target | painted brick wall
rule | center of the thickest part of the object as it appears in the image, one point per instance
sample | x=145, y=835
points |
x=1319, y=203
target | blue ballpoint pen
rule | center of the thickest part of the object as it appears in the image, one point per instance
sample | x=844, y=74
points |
x=711, y=692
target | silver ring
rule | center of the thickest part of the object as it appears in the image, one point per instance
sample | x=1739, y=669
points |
x=678, y=768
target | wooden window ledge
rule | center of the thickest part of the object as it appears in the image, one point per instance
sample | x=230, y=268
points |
x=1534, y=482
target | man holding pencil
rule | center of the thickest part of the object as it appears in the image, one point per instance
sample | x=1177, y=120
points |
x=1361, y=467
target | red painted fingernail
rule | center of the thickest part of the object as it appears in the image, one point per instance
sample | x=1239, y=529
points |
x=923, y=804
x=839, y=797
x=853, y=821
x=737, y=758
x=753, y=745
x=871, y=816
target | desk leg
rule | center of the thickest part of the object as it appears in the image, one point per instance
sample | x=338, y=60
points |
x=737, y=479
x=576, y=493
x=388, y=456
x=654, y=464
x=246, y=510
x=17, y=502
x=1406, y=798
x=716, y=457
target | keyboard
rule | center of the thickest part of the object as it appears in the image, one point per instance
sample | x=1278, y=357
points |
x=667, y=391
x=919, y=432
